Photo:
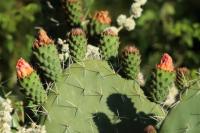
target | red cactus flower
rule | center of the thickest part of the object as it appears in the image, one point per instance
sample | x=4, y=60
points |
x=150, y=129
x=23, y=68
x=166, y=63
x=42, y=39
x=103, y=17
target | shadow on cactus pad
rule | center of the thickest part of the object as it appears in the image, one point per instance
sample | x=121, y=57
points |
x=125, y=118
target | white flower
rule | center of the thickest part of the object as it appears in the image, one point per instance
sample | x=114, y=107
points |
x=129, y=24
x=121, y=19
x=141, y=2
x=136, y=10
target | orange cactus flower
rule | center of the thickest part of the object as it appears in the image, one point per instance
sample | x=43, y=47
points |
x=23, y=69
x=103, y=17
x=166, y=63
x=42, y=39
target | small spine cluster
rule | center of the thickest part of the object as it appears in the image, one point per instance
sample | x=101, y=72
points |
x=5, y=116
x=135, y=12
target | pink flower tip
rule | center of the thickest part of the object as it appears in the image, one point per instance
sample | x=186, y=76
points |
x=23, y=68
x=166, y=63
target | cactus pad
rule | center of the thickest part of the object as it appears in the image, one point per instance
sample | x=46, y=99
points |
x=92, y=98
x=184, y=117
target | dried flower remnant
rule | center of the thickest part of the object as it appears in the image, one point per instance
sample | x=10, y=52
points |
x=42, y=39
x=23, y=68
x=103, y=17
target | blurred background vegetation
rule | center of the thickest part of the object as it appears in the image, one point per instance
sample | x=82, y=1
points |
x=171, y=26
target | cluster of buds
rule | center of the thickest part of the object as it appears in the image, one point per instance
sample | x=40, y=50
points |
x=135, y=12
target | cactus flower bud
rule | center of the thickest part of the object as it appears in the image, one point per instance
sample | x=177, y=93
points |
x=77, y=32
x=42, y=39
x=23, y=68
x=166, y=63
x=129, y=49
x=103, y=17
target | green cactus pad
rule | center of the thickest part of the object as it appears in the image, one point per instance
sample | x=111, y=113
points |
x=33, y=89
x=74, y=12
x=92, y=98
x=77, y=44
x=48, y=61
x=130, y=61
x=109, y=44
x=184, y=117
x=159, y=85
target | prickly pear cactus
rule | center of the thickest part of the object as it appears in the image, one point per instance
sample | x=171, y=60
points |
x=184, y=117
x=77, y=44
x=48, y=64
x=74, y=12
x=182, y=78
x=109, y=44
x=30, y=83
x=99, y=22
x=130, y=61
x=161, y=81
x=91, y=97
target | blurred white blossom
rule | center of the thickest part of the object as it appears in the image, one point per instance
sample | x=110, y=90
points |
x=129, y=24
x=5, y=116
x=141, y=2
x=121, y=19
x=136, y=10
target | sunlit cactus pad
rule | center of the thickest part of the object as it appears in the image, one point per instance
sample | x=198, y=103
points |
x=184, y=118
x=92, y=98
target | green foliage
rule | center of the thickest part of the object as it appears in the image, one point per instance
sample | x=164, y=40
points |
x=16, y=21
